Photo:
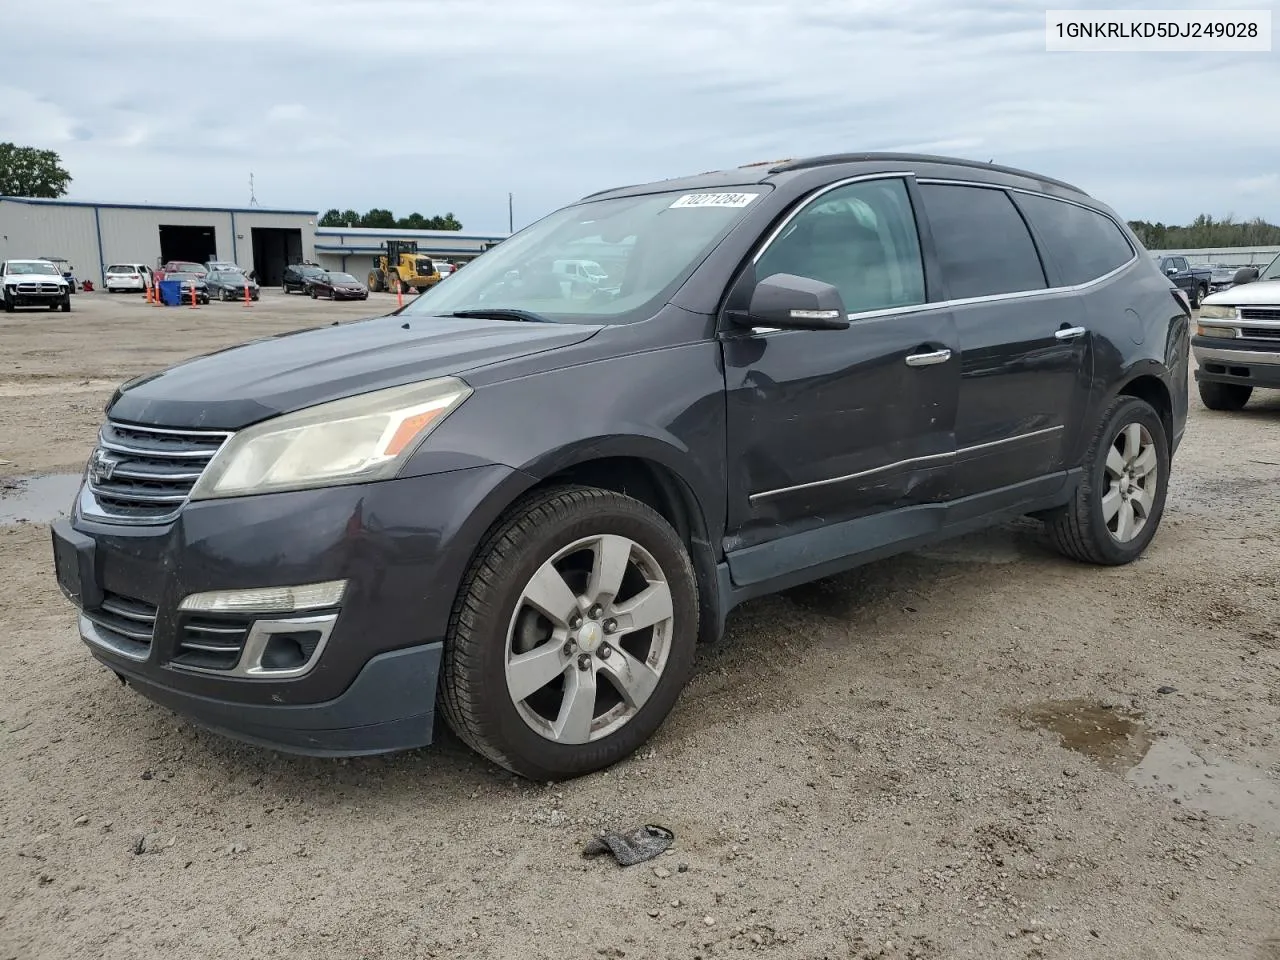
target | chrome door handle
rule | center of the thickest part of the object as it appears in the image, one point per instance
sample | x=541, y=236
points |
x=1070, y=333
x=928, y=359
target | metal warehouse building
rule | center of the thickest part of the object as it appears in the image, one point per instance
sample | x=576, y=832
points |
x=91, y=236
x=352, y=249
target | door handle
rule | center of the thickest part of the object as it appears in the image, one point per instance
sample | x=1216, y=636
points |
x=1070, y=333
x=928, y=359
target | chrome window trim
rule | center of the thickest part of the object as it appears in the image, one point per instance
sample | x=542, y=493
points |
x=963, y=301
x=950, y=455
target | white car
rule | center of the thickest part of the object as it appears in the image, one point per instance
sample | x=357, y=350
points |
x=126, y=276
x=1237, y=340
x=33, y=283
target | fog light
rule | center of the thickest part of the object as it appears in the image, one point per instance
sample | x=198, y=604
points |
x=311, y=596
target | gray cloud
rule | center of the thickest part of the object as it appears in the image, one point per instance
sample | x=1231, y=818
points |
x=328, y=105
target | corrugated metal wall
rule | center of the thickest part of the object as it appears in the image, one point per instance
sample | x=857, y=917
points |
x=31, y=231
x=131, y=234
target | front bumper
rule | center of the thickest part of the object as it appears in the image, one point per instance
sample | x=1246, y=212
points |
x=36, y=299
x=1239, y=361
x=402, y=546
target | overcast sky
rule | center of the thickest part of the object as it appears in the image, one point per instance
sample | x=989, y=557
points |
x=447, y=106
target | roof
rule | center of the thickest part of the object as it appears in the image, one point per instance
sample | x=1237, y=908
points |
x=765, y=173
x=43, y=201
x=363, y=232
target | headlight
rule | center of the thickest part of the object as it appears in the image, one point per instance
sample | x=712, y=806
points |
x=357, y=439
x=1222, y=333
x=1217, y=311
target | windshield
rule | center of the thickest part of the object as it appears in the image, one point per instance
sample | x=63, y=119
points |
x=342, y=278
x=227, y=276
x=644, y=247
x=121, y=268
x=310, y=271
x=1273, y=270
x=41, y=269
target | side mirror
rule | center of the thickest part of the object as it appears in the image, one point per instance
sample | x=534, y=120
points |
x=789, y=302
x=1245, y=275
x=1171, y=271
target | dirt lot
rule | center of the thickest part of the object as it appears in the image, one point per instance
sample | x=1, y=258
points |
x=963, y=752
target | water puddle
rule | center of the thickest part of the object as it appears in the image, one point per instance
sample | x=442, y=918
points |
x=37, y=499
x=1114, y=737
x=1217, y=787
x=1118, y=740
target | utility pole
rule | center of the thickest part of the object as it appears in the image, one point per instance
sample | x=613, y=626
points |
x=511, y=217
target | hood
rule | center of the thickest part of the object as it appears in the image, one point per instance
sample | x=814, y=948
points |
x=1259, y=293
x=233, y=388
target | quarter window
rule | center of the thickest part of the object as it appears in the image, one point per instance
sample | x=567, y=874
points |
x=984, y=247
x=860, y=238
x=1082, y=244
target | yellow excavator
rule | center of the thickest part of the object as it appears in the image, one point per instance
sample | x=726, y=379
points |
x=401, y=268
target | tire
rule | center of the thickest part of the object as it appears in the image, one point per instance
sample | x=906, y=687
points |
x=1224, y=396
x=1081, y=530
x=314, y=295
x=484, y=629
x=66, y=304
x=1201, y=292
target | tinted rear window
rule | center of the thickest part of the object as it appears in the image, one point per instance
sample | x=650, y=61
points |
x=983, y=244
x=122, y=268
x=1081, y=244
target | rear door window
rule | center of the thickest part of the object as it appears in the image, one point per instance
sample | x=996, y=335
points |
x=984, y=246
x=1081, y=244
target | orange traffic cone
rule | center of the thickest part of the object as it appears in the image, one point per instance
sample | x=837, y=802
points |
x=247, y=303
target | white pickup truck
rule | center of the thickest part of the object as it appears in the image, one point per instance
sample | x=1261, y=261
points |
x=1237, y=339
x=34, y=283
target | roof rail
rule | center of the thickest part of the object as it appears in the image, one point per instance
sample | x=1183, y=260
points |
x=833, y=158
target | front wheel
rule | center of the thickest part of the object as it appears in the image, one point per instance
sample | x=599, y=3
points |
x=66, y=305
x=1224, y=396
x=572, y=635
x=1120, y=500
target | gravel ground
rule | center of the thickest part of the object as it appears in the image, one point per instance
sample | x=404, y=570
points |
x=961, y=752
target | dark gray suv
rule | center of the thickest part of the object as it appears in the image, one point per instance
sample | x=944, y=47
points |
x=526, y=499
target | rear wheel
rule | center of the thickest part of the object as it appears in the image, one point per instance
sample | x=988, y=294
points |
x=1224, y=396
x=572, y=635
x=1120, y=500
x=1202, y=291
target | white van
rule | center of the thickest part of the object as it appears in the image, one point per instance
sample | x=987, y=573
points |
x=588, y=271
x=126, y=276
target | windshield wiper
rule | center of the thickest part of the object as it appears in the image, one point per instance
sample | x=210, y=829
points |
x=502, y=313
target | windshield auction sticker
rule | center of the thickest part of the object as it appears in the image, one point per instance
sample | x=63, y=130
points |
x=714, y=200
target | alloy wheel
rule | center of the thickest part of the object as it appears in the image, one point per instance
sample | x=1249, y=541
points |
x=589, y=639
x=1131, y=478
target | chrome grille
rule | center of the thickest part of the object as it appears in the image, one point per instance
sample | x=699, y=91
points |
x=31, y=287
x=1260, y=313
x=145, y=474
x=1260, y=333
x=129, y=623
x=211, y=643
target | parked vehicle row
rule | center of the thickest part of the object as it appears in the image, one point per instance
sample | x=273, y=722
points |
x=532, y=504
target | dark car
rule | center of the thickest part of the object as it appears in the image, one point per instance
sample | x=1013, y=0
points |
x=191, y=281
x=338, y=286
x=1196, y=282
x=298, y=276
x=230, y=285
x=532, y=505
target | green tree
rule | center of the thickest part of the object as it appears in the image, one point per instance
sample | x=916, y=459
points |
x=350, y=218
x=447, y=222
x=29, y=172
x=414, y=221
x=331, y=218
x=379, y=218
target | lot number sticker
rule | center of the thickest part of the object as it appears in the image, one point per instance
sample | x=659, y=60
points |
x=714, y=200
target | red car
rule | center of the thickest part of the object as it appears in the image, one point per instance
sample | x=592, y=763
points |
x=180, y=266
x=337, y=286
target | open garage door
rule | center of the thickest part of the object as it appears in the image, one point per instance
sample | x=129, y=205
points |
x=274, y=248
x=197, y=244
